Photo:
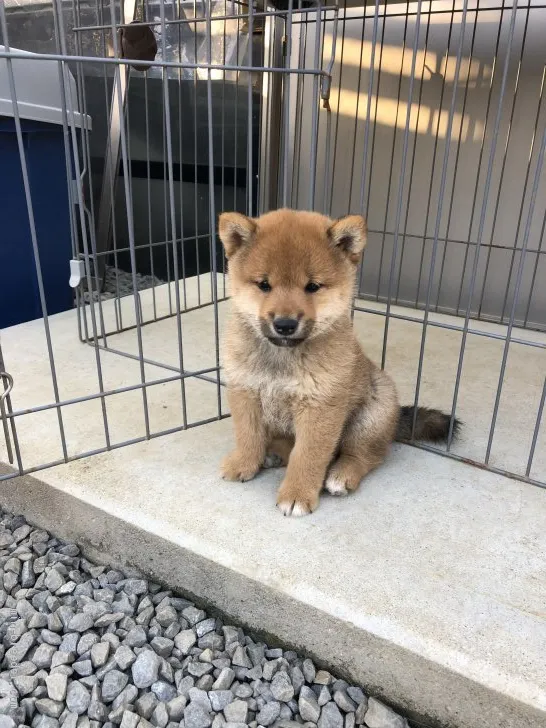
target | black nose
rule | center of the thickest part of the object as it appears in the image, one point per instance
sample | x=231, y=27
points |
x=285, y=326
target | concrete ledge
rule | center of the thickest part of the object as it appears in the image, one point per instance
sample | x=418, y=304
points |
x=427, y=586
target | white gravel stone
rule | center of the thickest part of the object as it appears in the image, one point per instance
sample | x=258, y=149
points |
x=269, y=713
x=236, y=712
x=281, y=688
x=344, y=702
x=195, y=716
x=99, y=654
x=379, y=715
x=56, y=685
x=224, y=680
x=112, y=685
x=77, y=698
x=129, y=719
x=185, y=640
x=146, y=669
x=330, y=717
x=308, y=705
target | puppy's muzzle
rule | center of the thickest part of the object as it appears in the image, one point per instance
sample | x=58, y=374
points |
x=285, y=326
x=285, y=331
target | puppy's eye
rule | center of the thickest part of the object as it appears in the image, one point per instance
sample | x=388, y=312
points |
x=264, y=286
x=312, y=287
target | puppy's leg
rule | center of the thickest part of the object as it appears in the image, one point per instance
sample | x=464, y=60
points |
x=278, y=452
x=250, y=436
x=318, y=430
x=367, y=437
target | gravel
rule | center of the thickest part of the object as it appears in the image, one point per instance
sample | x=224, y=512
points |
x=84, y=646
x=120, y=282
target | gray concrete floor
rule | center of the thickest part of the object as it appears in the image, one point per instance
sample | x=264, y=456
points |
x=427, y=585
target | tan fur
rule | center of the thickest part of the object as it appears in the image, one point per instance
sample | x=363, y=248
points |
x=320, y=406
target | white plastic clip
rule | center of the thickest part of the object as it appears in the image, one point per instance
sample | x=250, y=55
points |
x=77, y=273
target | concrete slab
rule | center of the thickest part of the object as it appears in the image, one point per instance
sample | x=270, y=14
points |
x=427, y=586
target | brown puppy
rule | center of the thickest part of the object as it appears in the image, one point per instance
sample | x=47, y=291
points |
x=301, y=390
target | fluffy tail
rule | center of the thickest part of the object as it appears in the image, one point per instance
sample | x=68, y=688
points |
x=431, y=424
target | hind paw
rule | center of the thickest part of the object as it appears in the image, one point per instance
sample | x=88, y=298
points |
x=272, y=460
x=344, y=476
x=336, y=486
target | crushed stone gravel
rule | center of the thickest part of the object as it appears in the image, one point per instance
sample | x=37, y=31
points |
x=84, y=646
x=119, y=283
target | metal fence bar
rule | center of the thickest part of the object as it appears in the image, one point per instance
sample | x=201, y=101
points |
x=364, y=171
x=32, y=224
x=6, y=380
x=130, y=222
x=167, y=115
x=522, y=205
x=515, y=95
x=286, y=93
x=445, y=239
x=149, y=194
x=481, y=224
x=365, y=210
x=6, y=410
x=212, y=220
x=131, y=327
x=431, y=184
x=402, y=177
x=163, y=64
x=536, y=431
x=451, y=327
x=117, y=390
x=113, y=446
x=519, y=274
x=250, y=135
x=68, y=110
x=414, y=150
x=315, y=109
x=535, y=267
x=368, y=106
x=441, y=193
x=296, y=165
x=185, y=21
x=482, y=147
x=480, y=465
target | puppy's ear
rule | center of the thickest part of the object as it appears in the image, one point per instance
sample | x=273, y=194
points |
x=349, y=234
x=235, y=231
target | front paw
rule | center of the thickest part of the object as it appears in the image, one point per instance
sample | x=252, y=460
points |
x=237, y=467
x=295, y=499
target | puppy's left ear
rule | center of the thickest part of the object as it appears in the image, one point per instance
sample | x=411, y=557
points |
x=349, y=234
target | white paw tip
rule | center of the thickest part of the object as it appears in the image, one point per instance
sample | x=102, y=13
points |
x=291, y=508
x=335, y=486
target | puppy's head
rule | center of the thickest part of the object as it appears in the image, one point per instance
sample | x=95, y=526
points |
x=292, y=274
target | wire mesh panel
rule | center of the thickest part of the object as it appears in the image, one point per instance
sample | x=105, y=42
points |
x=427, y=117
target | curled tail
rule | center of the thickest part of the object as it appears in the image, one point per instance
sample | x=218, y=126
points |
x=431, y=424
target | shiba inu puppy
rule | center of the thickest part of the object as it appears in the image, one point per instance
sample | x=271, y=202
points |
x=301, y=390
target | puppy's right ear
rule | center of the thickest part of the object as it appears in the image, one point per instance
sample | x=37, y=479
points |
x=235, y=231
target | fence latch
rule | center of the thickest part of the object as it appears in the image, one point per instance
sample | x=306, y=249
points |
x=7, y=386
x=77, y=273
